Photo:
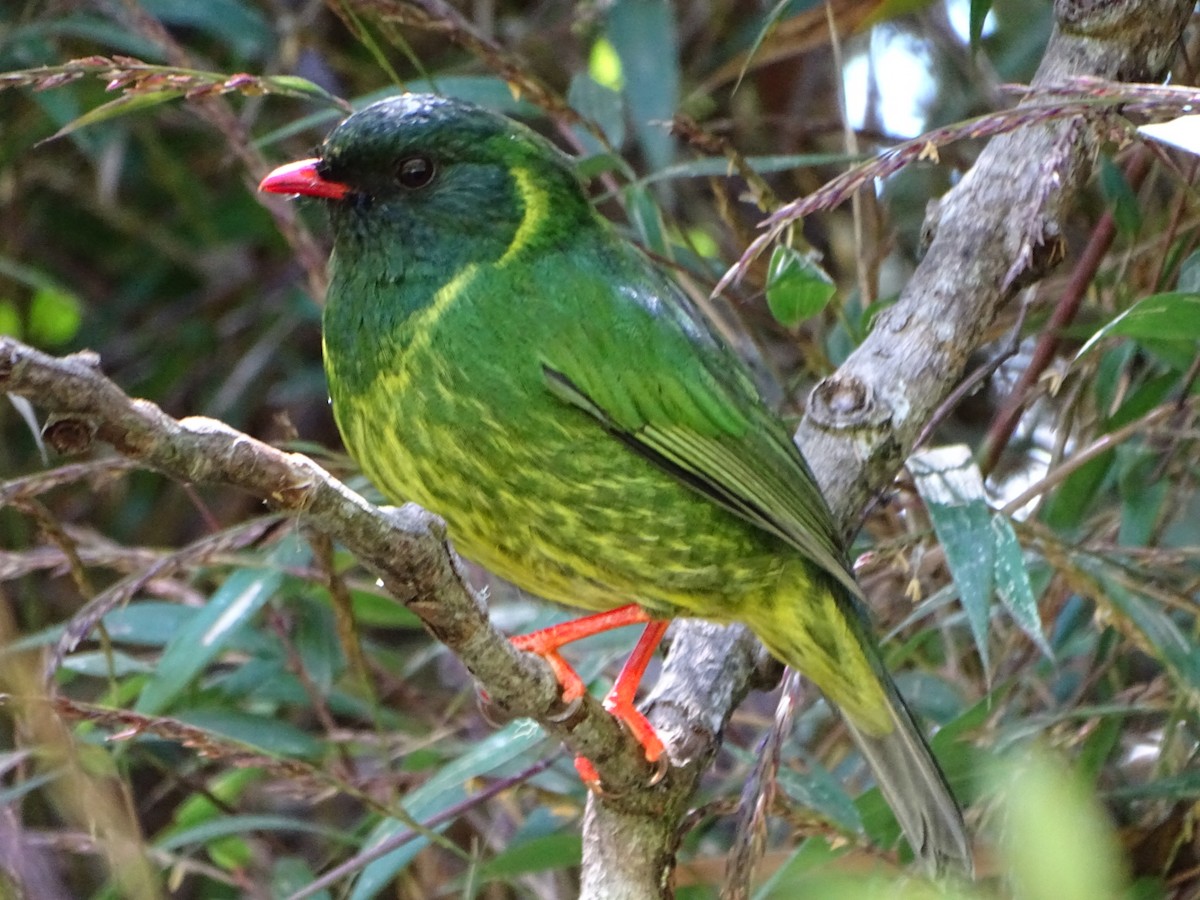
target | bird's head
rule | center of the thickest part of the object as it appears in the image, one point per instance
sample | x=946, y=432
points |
x=436, y=175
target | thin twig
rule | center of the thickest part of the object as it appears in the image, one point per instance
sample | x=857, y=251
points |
x=361, y=860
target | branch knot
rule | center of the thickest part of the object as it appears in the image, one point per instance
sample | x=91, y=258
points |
x=845, y=401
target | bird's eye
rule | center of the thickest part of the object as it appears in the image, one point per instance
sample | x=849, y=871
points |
x=415, y=172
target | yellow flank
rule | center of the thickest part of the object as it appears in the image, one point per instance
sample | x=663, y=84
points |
x=803, y=623
x=536, y=201
x=391, y=382
x=655, y=542
x=530, y=378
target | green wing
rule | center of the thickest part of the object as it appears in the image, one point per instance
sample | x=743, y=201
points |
x=672, y=392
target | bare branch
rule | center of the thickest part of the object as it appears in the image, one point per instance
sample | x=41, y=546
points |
x=407, y=548
x=993, y=232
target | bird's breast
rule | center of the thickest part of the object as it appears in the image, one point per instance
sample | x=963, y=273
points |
x=452, y=412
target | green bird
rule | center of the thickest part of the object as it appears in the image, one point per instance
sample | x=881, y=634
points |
x=497, y=353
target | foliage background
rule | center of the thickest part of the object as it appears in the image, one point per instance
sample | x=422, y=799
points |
x=295, y=740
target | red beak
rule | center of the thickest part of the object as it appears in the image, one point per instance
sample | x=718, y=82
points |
x=303, y=178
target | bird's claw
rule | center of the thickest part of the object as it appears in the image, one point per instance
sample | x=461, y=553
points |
x=494, y=714
x=497, y=716
x=591, y=778
x=569, y=709
x=662, y=765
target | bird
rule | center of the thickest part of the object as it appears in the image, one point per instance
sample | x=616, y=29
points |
x=498, y=353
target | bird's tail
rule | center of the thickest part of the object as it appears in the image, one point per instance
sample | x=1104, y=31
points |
x=913, y=785
x=826, y=638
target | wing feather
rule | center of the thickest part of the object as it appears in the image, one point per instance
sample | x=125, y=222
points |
x=752, y=474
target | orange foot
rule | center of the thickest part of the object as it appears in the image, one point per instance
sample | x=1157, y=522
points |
x=619, y=702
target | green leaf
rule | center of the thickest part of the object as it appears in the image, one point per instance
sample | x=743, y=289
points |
x=768, y=25
x=1170, y=645
x=317, y=643
x=551, y=851
x=603, y=106
x=644, y=35
x=977, y=17
x=10, y=320
x=604, y=66
x=98, y=664
x=236, y=23
x=54, y=316
x=1068, y=506
x=150, y=623
x=720, y=167
x=797, y=288
x=123, y=105
x=1012, y=583
x=376, y=611
x=803, y=874
x=1188, y=281
x=1182, y=786
x=220, y=792
x=86, y=27
x=1142, y=494
x=1121, y=199
x=261, y=680
x=26, y=786
x=647, y=220
x=207, y=634
x=290, y=874
x=440, y=792
x=816, y=790
x=1057, y=841
x=227, y=825
x=268, y=733
x=1173, y=316
x=1096, y=748
x=55, y=311
x=295, y=86
x=950, y=483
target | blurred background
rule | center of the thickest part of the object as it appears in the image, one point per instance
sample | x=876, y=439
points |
x=327, y=720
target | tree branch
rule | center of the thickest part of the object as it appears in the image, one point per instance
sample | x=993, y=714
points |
x=994, y=231
x=407, y=547
x=997, y=230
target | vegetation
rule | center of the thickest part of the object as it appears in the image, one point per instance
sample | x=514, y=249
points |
x=205, y=697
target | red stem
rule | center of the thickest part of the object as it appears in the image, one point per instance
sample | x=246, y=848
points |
x=1085, y=270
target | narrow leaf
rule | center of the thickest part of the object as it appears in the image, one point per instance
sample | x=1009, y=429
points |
x=1188, y=281
x=1173, y=316
x=977, y=17
x=1166, y=642
x=950, y=484
x=549, y=851
x=206, y=634
x=128, y=103
x=246, y=824
x=273, y=735
x=439, y=793
x=1121, y=199
x=603, y=106
x=644, y=34
x=1012, y=583
x=818, y=791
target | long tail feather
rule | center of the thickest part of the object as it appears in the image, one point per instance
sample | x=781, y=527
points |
x=825, y=636
x=914, y=786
